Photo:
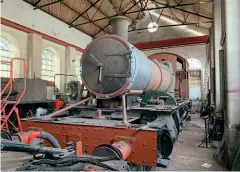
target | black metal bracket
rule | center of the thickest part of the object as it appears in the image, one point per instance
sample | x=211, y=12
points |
x=80, y=14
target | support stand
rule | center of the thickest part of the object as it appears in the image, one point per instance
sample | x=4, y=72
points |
x=207, y=140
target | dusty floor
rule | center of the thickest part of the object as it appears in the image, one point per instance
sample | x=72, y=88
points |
x=186, y=156
x=11, y=160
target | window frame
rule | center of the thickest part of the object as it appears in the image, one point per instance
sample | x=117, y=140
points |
x=48, y=60
x=8, y=48
x=194, y=63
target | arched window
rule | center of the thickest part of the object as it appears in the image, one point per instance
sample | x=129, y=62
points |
x=194, y=63
x=48, y=64
x=6, y=54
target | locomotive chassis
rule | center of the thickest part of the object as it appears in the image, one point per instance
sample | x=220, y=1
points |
x=94, y=132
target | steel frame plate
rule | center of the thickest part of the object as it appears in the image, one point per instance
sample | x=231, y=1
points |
x=92, y=136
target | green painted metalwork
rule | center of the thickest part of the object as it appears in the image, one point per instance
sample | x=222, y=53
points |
x=168, y=99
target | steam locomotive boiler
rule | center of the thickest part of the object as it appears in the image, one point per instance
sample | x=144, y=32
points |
x=112, y=66
x=132, y=113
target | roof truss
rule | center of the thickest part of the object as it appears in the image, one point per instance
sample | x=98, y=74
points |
x=135, y=8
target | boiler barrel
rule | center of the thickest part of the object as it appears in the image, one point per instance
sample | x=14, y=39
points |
x=110, y=66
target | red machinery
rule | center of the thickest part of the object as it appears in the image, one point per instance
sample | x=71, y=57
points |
x=5, y=117
x=58, y=104
x=70, y=158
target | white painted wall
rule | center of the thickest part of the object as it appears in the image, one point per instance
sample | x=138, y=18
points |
x=72, y=56
x=22, y=13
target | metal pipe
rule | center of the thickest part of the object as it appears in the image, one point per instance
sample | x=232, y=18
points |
x=135, y=92
x=29, y=136
x=47, y=117
x=120, y=26
x=52, y=140
x=19, y=147
x=124, y=111
x=14, y=108
x=9, y=81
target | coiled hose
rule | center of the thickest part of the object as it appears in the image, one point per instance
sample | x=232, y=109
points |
x=50, y=139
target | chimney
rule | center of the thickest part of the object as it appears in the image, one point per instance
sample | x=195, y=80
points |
x=120, y=26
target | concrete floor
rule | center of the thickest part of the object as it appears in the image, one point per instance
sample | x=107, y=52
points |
x=10, y=161
x=187, y=156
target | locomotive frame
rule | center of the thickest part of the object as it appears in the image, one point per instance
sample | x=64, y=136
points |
x=96, y=132
x=136, y=116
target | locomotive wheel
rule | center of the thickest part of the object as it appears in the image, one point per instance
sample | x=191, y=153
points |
x=165, y=144
x=109, y=151
x=106, y=151
x=6, y=135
